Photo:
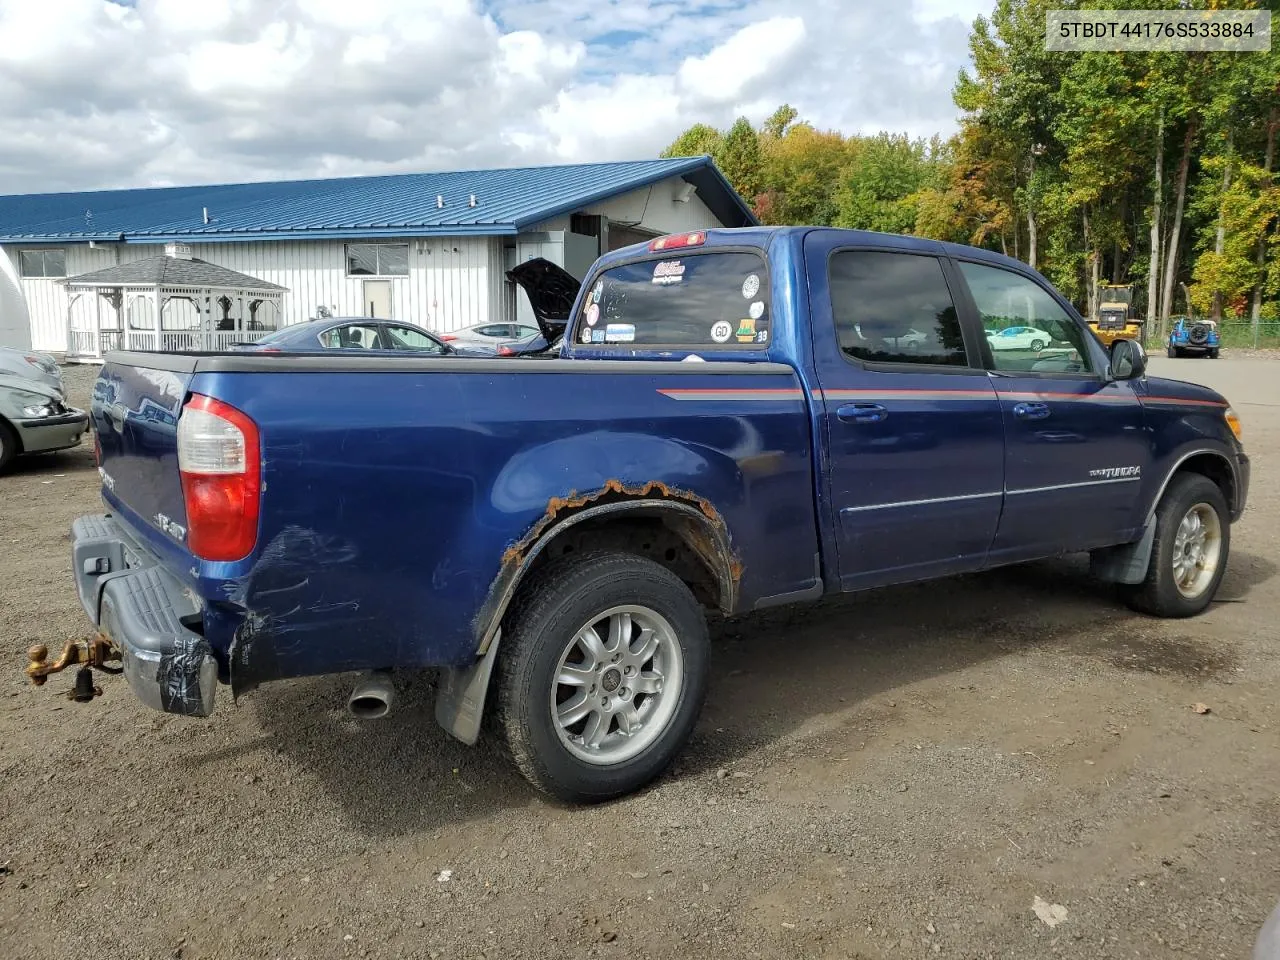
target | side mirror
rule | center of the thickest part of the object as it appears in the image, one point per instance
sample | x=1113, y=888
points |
x=1128, y=360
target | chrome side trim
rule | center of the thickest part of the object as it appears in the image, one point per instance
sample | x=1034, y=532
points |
x=920, y=503
x=1072, y=486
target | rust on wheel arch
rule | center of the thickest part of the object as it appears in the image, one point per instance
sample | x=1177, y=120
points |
x=708, y=537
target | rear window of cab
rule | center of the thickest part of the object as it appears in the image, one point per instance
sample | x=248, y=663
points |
x=684, y=300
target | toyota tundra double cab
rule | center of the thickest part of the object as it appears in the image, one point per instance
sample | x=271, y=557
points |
x=736, y=420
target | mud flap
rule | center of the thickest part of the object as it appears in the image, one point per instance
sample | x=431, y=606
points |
x=461, y=695
x=1127, y=563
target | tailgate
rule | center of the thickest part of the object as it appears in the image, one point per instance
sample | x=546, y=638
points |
x=135, y=414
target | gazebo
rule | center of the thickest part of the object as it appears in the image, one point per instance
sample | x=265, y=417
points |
x=175, y=302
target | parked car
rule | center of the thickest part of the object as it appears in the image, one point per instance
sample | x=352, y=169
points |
x=32, y=366
x=356, y=333
x=491, y=335
x=1019, y=338
x=35, y=419
x=1198, y=337
x=553, y=535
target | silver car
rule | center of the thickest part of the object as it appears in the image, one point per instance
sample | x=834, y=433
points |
x=32, y=365
x=489, y=335
x=34, y=419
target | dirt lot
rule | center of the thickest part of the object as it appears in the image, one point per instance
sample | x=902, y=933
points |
x=900, y=774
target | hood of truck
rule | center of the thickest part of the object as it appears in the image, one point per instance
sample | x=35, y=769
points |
x=552, y=291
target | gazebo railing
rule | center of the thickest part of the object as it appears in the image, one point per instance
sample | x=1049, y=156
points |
x=181, y=341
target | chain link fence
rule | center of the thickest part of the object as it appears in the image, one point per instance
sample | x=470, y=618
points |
x=1265, y=334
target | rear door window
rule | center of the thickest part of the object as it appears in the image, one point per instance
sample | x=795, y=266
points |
x=894, y=308
x=683, y=300
x=353, y=336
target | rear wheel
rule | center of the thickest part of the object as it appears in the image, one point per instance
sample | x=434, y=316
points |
x=1173, y=352
x=1189, y=554
x=8, y=445
x=601, y=677
x=1037, y=346
x=1213, y=354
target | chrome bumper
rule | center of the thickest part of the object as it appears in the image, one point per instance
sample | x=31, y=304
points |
x=140, y=608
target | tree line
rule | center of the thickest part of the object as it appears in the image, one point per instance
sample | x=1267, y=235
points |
x=1151, y=169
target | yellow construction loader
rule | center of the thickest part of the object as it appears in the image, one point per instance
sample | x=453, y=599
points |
x=1115, y=319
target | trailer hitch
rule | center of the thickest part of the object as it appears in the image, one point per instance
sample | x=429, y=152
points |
x=89, y=654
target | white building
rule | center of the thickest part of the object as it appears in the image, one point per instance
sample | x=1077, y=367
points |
x=431, y=249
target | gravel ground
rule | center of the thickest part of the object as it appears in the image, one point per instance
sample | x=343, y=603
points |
x=905, y=773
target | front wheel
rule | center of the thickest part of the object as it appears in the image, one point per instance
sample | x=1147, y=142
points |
x=8, y=444
x=1189, y=553
x=601, y=676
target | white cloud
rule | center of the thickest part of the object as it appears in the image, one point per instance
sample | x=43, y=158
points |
x=753, y=53
x=102, y=93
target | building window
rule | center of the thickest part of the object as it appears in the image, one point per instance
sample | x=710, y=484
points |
x=43, y=263
x=377, y=259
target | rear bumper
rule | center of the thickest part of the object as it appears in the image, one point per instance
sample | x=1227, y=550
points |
x=53, y=433
x=140, y=608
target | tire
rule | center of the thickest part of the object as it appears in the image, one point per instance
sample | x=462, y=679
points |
x=1213, y=354
x=1160, y=594
x=1037, y=346
x=1173, y=352
x=541, y=642
x=8, y=445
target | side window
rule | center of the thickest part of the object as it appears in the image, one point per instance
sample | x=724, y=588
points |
x=406, y=338
x=1027, y=329
x=354, y=336
x=894, y=308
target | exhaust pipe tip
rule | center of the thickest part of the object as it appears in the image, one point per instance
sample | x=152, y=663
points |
x=372, y=697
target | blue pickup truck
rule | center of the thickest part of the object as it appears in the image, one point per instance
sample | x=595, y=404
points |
x=737, y=419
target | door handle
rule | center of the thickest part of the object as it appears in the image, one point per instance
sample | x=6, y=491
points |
x=1031, y=411
x=861, y=413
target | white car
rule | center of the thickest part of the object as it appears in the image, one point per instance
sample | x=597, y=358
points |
x=1019, y=338
x=489, y=334
x=32, y=365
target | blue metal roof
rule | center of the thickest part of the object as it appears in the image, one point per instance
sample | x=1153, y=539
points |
x=401, y=205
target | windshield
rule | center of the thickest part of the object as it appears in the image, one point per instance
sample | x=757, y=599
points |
x=692, y=300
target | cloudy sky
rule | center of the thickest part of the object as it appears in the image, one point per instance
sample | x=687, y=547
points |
x=107, y=93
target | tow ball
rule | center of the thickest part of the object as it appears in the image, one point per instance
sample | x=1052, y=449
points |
x=89, y=654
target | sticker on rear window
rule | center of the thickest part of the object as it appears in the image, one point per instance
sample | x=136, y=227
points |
x=746, y=330
x=668, y=271
x=756, y=310
x=722, y=331
x=586, y=334
x=593, y=314
x=598, y=291
x=597, y=336
x=620, y=333
x=750, y=286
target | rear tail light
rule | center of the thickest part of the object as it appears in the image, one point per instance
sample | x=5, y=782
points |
x=219, y=459
x=677, y=240
x=505, y=351
x=97, y=449
x=448, y=336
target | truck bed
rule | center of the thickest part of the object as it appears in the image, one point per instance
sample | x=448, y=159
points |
x=399, y=494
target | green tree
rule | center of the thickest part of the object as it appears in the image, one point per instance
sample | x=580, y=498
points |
x=739, y=158
x=699, y=140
